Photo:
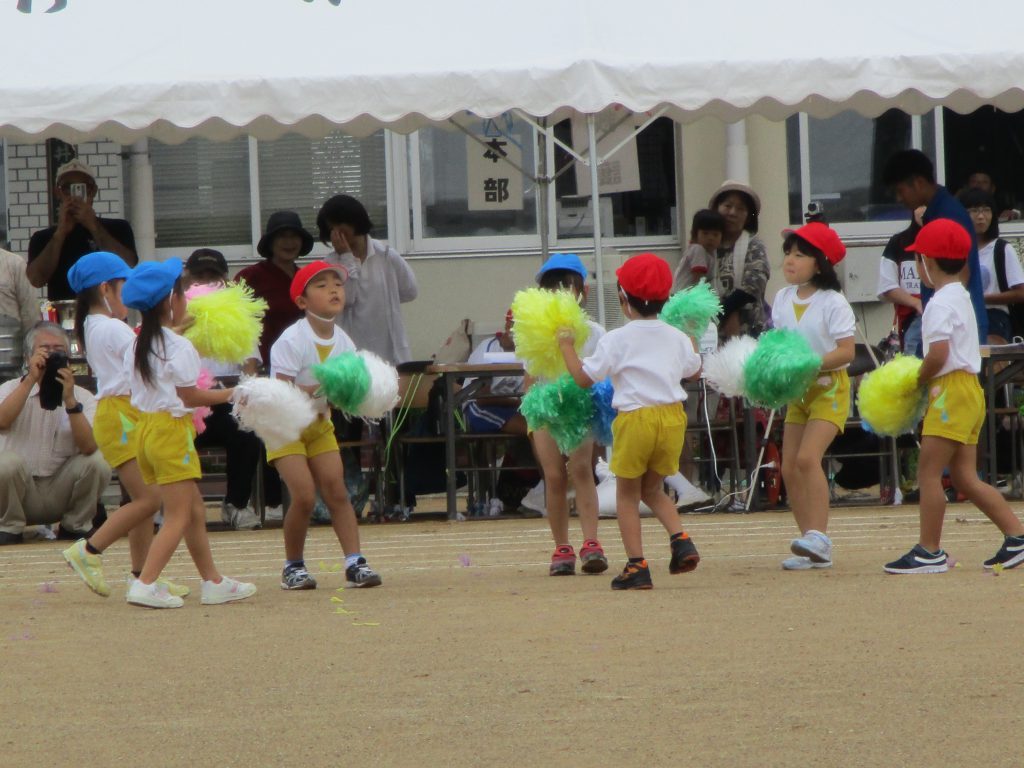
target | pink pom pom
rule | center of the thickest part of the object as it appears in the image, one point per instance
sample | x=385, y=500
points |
x=201, y=289
x=199, y=418
x=205, y=380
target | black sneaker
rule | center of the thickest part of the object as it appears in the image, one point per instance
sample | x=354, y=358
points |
x=1010, y=555
x=919, y=560
x=10, y=538
x=634, y=576
x=362, y=575
x=684, y=555
x=297, y=577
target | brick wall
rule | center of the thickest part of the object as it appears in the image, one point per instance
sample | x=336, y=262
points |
x=27, y=191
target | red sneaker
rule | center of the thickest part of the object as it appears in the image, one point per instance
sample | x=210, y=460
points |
x=563, y=561
x=592, y=557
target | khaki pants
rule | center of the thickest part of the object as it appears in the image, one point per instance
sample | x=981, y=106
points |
x=69, y=496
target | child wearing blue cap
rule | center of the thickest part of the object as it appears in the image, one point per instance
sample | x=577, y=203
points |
x=97, y=278
x=566, y=272
x=164, y=368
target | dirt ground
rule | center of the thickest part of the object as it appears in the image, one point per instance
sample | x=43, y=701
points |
x=470, y=655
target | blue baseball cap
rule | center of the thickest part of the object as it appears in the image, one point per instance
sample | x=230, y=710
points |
x=95, y=268
x=150, y=283
x=569, y=261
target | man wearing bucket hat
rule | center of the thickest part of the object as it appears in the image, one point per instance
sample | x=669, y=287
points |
x=54, y=250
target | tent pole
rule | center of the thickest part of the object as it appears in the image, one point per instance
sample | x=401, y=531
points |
x=143, y=217
x=595, y=201
x=543, y=188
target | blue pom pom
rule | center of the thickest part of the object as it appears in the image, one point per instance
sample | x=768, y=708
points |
x=604, y=413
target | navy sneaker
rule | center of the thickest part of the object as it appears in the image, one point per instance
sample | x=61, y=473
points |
x=297, y=577
x=634, y=576
x=361, y=575
x=1010, y=555
x=684, y=555
x=919, y=560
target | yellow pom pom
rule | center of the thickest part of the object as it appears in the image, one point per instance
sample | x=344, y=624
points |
x=889, y=398
x=226, y=323
x=539, y=315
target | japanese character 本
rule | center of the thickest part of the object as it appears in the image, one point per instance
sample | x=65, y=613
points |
x=495, y=152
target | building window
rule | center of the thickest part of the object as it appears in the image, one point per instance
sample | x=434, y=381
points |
x=299, y=174
x=989, y=141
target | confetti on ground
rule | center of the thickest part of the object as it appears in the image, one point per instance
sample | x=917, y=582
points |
x=997, y=569
x=336, y=599
x=25, y=635
x=464, y=559
x=48, y=586
x=342, y=611
x=340, y=589
x=332, y=568
x=365, y=623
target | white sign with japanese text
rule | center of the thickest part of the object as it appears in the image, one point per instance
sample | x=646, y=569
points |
x=493, y=183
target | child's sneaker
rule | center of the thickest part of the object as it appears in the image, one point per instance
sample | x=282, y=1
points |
x=1010, y=555
x=152, y=596
x=178, y=590
x=634, y=576
x=563, y=561
x=297, y=577
x=592, y=558
x=89, y=567
x=684, y=555
x=814, y=545
x=226, y=591
x=919, y=560
x=362, y=575
x=797, y=563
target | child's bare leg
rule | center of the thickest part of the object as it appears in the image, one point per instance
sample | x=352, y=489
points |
x=177, y=499
x=936, y=454
x=627, y=509
x=581, y=470
x=652, y=492
x=329, y=475
x=556, y=485
x=964, y=474
x=197, y=540
x=813, y=513
x=792, y=434
x=294, y=470
x=133, y=519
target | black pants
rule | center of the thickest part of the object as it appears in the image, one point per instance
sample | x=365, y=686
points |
x=243, y=452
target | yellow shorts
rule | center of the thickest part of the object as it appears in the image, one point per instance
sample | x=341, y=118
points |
x=315, y=439
x=828, y=399
x=114, y=428
x=649, y=438
x=956, y=408
x=167, y=449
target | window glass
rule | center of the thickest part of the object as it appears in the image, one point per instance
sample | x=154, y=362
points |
x=299, y=174
x=987, y=141
x=641, y=176
x=201, y=193
x=467, y=189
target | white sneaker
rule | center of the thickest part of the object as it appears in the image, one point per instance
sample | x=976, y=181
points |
x=797, y=563
x=814, y=545
x=153, y=595
x=227, y=591
x=534, y=500
x=687, y=494
x=244, y=519
x=274, y=514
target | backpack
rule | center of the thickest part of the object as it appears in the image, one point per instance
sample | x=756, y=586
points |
x=1016, y=310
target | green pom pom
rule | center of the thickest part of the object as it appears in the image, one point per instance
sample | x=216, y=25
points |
x=692, y=309
x=889, y=399
x=562, y=408
x=344, y=380
x=781, y=368
x=539, y=316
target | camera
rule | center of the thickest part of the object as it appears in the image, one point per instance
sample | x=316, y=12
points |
x=51, y=391
x=79, y=190
x=815, y=212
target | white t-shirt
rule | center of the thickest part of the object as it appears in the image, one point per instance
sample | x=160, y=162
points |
x=505, y=386
x=949, y=316
x=175, y=364
x=295, y=353
x=903, y=275
x=827, y=317
x=106, y=342
x=646, y=360
x=989, y=281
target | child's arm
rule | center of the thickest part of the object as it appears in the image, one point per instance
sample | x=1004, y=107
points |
x=842, y=355
x=566, y=342
x=193, y=397
x=938, y=351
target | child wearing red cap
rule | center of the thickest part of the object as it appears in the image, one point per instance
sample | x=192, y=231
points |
x=646, y=359
x=813, y=306
x=956, y=405
x=313, y=462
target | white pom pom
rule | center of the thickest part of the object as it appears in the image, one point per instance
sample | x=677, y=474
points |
x=724, y=369
x=277, y=411
x=383, y=394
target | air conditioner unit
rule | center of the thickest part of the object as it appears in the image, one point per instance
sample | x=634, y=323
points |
x=576, y=217
x=613, y=317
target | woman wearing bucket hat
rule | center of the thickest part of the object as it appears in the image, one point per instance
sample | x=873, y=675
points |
x=741, y=270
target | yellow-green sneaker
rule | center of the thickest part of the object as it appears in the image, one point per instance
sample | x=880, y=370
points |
x=89, y=567
x=178, y=590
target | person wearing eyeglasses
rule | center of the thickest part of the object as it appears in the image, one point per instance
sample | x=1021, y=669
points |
x=54, y=250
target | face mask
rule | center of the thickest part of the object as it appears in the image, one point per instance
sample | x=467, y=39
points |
x=322, y=319
x=107, y=305
x=927, y=274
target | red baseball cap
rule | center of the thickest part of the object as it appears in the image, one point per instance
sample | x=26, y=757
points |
x=308, y=272
x=822, y=237
x=645, y=276
x=942, y=239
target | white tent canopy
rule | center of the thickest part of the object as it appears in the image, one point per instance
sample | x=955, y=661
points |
x=170, y=69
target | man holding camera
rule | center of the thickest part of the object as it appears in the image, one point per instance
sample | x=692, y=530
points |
x=54, y=250
x=50, y=468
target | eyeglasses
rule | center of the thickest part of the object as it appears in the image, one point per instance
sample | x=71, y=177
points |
x=980, y=211
x=52, y=348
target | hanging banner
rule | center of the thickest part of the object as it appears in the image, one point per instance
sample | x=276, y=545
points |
x=492, y=182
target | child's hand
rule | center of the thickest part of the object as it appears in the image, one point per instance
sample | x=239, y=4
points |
x=566, y=336
x=186, y=322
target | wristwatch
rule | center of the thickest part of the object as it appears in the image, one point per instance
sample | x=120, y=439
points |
x=77, y=409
